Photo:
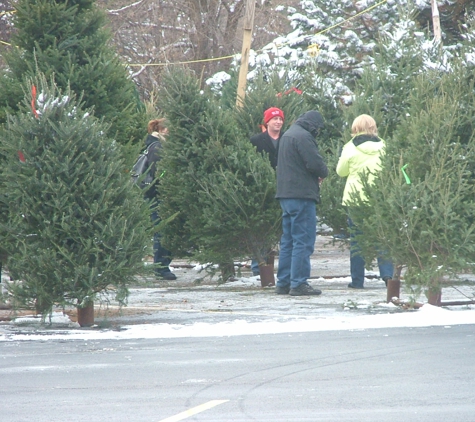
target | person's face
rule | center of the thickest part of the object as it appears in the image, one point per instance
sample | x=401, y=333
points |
x=275, y=124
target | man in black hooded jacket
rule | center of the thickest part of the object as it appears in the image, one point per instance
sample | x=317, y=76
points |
x=300, y=171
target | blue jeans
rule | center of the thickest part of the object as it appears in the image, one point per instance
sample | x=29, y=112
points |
x=357, y=262
x=299, y=232
x=255, y=266
x=161, y=256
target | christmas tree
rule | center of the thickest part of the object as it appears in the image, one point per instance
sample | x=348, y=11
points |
x=383, y=92
x=421, y=208
x=216, y=192
x=68, y=40
x=74, y=226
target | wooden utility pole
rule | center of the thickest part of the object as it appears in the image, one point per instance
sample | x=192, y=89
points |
x=436, y=21
x=248, y=25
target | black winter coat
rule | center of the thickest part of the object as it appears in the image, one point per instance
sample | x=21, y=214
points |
x=154, y=154
x=263, y=143
x=300, y=165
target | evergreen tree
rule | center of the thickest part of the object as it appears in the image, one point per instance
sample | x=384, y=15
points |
x=75, y=226
x=217, y=193
x=264, y=90
x=427, y=225
x=336, y=40
x=382, y=91
x=68, y=40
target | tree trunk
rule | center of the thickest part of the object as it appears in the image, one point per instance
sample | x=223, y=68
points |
x=227, y=270
x=86, y=315
x=393, y=289
x=434, y=297
x=266, y=271
x=394, y=285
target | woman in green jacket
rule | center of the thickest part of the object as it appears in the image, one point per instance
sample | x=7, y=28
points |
x=361, y=154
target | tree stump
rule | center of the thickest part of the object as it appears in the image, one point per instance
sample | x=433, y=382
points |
x=266, y=270
x=393, y=289
x=434, y=297
x=86, y=315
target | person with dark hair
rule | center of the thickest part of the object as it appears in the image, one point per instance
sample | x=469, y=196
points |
x=300, y=170
x=268, y=142
x=361, y=154
x=161, y=256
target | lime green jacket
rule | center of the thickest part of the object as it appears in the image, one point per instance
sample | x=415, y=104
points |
x=361, y=154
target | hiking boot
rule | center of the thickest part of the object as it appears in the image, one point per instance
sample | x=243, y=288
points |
x=352, y=286
x=305, y=290
x=282, y=290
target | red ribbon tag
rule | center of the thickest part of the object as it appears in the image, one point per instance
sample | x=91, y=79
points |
x=33, y=101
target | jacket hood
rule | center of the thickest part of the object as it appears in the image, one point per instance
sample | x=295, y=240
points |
x=312, y=121
x=368, y=144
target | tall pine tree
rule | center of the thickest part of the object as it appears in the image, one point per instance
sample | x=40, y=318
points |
x=68, y=40
x=426, y=221
x=217, y=193
x=75, y=226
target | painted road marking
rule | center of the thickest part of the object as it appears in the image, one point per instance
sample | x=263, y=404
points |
x=193, y=411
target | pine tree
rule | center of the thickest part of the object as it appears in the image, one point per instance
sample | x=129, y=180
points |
x=217, y=193
x=427, y=225
x=383, y=92
x=67, y=40
x=75, y=226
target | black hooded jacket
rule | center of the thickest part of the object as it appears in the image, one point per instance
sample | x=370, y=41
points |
x=154, y=157
x=300, y=165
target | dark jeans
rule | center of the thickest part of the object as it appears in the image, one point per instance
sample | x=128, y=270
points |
x=161, y=256
x=357, y=262
x=299, y=231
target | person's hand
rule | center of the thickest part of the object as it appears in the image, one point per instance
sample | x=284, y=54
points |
x=320, y=181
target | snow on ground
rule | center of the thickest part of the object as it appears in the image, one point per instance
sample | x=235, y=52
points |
x=426, y=316
x=243, y=308
x=185, y=308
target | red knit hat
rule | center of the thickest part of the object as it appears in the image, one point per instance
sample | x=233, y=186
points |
x=272, y=112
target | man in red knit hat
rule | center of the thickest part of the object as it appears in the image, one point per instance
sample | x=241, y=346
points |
x=268, y=142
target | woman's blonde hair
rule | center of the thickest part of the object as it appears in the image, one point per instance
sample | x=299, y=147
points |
x=364, y=124
x=156, y=125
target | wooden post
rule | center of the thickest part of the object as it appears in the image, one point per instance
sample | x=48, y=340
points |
x=248, y=25
x=436, y=21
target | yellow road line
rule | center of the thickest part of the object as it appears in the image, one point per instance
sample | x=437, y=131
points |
x=194, y=411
